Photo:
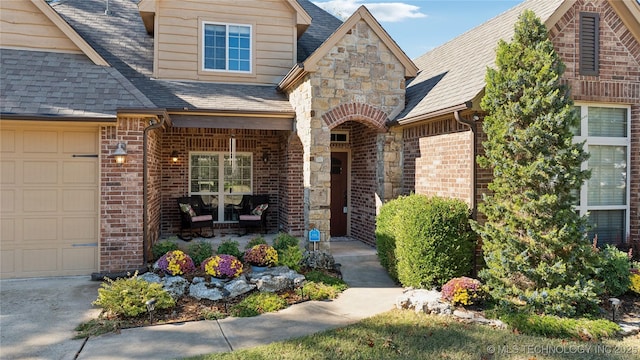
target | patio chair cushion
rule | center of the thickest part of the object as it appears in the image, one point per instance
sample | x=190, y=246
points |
x=250, y=217
x=259, y=209
x=201, y=218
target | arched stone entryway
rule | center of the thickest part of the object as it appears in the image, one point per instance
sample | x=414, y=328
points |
x=355, y=165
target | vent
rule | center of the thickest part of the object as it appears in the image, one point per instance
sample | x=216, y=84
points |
x=589, y=43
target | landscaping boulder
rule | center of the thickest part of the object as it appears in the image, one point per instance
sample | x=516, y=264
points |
x=204, y=290
x=151, y=277
x=238, y=286
x=319, y=259
x=175, y=285
x=276, y=279
x=428, y=301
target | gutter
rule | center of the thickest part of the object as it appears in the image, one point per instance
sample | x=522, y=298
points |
x=296, y=73
x=474, y=173
x=427, y=116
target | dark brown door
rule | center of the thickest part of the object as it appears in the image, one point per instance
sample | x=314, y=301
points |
x=339, y=193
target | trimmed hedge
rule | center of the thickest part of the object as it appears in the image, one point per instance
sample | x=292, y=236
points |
x=427, y=239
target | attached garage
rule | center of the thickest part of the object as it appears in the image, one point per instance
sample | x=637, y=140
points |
x=49, y=198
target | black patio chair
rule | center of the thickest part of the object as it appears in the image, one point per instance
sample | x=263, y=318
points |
x=194, y=215
x=253, y=212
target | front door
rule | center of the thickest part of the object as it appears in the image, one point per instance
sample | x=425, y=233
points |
x=339, y=193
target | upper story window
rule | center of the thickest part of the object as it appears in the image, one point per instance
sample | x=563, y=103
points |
x=227, y=47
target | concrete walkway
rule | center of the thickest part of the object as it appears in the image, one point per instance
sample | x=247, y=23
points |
x=41, y=325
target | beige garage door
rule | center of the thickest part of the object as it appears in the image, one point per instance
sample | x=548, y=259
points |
x=49, y=200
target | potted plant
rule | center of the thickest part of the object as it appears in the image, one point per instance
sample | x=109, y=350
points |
x=261, y=256
x=176, y=262
x=222, y=266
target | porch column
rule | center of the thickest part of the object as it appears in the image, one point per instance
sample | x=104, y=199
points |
x=388, y=167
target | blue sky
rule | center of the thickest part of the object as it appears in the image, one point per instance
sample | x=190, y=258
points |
x=419, y=26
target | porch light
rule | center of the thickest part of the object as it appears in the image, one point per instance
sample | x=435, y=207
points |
x=120, y=153
x=174, y=156
x=265, y=157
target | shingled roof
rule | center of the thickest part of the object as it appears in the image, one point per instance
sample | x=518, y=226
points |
x=46, y=84
x=453, y=73
x=322, y=26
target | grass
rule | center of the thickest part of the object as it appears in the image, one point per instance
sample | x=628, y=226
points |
x=403, y=334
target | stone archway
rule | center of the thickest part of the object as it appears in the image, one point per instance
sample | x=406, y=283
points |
x=366, y=126
x=358, y=112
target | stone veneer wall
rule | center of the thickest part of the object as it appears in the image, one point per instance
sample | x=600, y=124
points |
x=618, y=81
x=121, y=199
x=358, y=80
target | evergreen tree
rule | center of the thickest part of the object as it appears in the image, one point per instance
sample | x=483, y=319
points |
x=534, y=242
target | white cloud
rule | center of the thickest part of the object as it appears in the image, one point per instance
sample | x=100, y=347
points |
x=383, y=11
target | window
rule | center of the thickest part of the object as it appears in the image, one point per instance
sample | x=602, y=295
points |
x=339, y=136
x=227, y=47
x=605, y=197
x=220, y=181
x=589, y=43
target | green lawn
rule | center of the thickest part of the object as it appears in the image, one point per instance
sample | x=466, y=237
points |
x=402, y=334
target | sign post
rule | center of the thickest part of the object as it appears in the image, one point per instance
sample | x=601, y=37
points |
x=314, y=237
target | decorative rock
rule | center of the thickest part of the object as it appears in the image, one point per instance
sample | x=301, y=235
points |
x=175, y=285
x=204, y=290
x=197, y=280
x=238, y=286
x=428, y=301
x=151, y=277
x=320, y=259
x=629, y=328
x=276, y=279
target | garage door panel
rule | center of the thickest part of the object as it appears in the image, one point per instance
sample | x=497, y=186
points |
x=80, y=229
x=8, y=263
x=8, y=231
x=36, y=200
x=8, y=171
x=40, y=172
x=80, y=142
x=8, y=141
x=49, y=199
x=79, y=258
x=79, y=200
x=80, y=172
x=8, y=201
x=39, y=260
x=40, y=142
x=40, y=229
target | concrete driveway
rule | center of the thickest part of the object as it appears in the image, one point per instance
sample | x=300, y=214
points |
x=37, y=316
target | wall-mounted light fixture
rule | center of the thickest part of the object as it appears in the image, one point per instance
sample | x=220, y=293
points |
x=174, y=156
x=265, y=157
x=120, y=153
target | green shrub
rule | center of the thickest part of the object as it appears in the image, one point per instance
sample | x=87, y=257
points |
x=386, y=225
x=230, y=247
x=318, y=291
x=128, y=297
x=558, y=327
x=255, y=241
x=290, y=257
x=284, y=240
x=614, y=270
x=320, y=277
x=162, y=247
x=199, y=251
x=434, y=241
x=258, y=303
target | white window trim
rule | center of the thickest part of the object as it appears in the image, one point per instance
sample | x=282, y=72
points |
x=226, y=62
x=607, y=141
x=220, y=193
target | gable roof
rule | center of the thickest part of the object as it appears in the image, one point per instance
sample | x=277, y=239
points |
x=123, y=41
x=453, y=74
x=310, y=64
x=322, y=26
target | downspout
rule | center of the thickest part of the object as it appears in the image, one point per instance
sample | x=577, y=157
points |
x=474, y=173
x=145, y=218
